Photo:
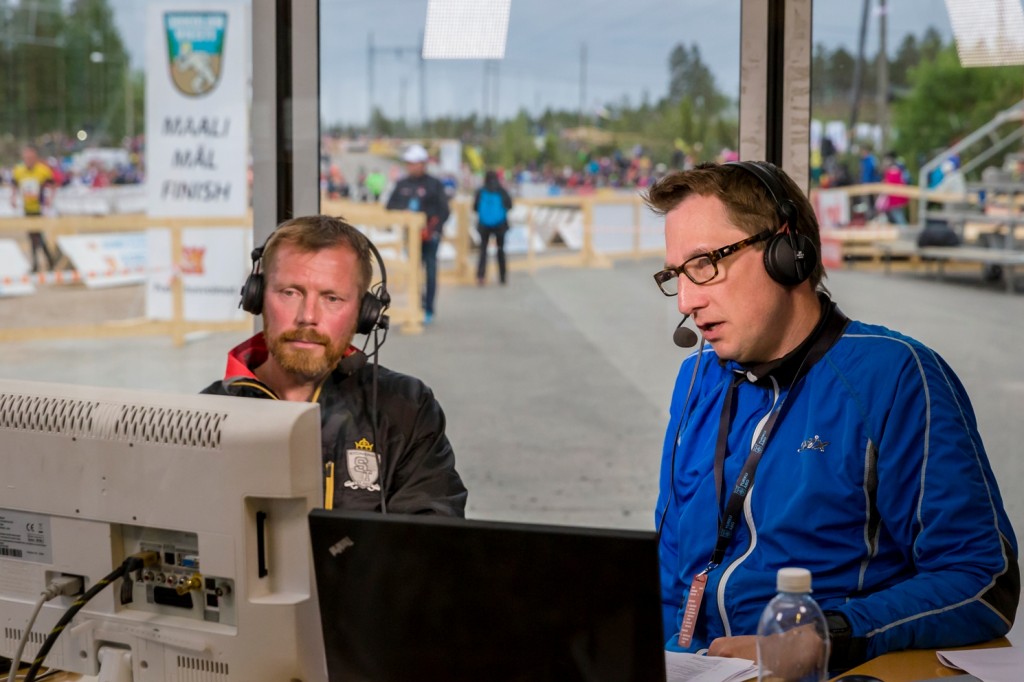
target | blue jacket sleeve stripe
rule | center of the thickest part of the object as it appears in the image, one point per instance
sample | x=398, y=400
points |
x=872, y=521
x=933, y=374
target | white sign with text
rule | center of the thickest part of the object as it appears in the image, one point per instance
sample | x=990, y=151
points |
x=197, y=127
x=832, y=207
x=214, y=264
x=109, y=259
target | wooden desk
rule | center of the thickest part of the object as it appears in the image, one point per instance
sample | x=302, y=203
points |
x=915, y=664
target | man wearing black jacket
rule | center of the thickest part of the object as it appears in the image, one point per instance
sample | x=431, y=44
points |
x=384, y=446
x=419, y=191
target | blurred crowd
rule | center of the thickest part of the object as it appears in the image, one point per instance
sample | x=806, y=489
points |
x=91, y=167
x=590, y=172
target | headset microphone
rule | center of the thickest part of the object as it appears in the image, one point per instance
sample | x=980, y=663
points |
x=684, y=337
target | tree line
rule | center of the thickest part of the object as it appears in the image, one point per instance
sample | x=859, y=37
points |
x=64, y=69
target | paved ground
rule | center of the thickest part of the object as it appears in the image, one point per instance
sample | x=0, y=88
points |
x=556, y=386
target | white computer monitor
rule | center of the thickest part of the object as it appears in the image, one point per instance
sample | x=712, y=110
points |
x=220, y=487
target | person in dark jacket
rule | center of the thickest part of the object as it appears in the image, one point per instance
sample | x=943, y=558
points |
x=492, y=204
x=384, y=447
x=419, y=191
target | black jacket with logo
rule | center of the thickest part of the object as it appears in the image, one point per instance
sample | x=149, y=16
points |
x=426, y=194
x=410, y=445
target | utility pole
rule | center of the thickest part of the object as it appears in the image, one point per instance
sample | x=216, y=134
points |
x=858, y=68
x=486, y=100
x=369, y=84
x=129, y=100
x=883, y=77
x=496, y=90
x=491, y=91
x=583, y=83
x=11, y=105
x=403, y=85
x=423, y=86
x=397, y=51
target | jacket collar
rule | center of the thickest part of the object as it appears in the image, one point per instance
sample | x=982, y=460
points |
x=253, y=352
x=797, y=362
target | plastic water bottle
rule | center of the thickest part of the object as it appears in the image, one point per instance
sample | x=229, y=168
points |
x=792, y=635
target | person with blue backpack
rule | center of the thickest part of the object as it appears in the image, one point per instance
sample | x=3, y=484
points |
x=492, y=204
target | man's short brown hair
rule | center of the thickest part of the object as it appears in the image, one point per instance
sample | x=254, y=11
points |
x=747, y=201
x=318, y=232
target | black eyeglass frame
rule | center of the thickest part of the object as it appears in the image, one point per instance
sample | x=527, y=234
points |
x=668, y=274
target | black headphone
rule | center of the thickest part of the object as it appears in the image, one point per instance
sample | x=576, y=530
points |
x=789, y=257
x=372, y=309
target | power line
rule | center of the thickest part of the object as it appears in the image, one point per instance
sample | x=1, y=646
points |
x=397, y=51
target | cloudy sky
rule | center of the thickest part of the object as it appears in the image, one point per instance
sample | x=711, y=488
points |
x=627, y=44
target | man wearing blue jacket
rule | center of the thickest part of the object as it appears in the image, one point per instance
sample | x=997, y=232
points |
x=803, y=438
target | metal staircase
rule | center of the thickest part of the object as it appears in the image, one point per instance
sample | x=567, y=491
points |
x=998, y=138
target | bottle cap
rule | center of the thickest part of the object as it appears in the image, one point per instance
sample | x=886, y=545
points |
x=793, y=580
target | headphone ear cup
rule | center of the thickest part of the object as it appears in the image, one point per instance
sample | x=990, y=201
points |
x=790, y=258
x=369, y=313
x=252, y=294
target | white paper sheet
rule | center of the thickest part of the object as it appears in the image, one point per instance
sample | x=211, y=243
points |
x=680, y=667
x=1001, y=664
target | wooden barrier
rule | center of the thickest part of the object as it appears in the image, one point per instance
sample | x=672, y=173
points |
x=585, y=254
x=177, y=327
x=396, y=234
x=406, y=310
x=839, y=246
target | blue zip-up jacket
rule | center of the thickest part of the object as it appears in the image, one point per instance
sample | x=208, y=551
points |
x=874, y=478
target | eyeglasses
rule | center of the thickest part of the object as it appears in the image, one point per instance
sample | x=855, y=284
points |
x=703, y=267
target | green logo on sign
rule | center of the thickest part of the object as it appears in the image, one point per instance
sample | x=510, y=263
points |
x=195, y=48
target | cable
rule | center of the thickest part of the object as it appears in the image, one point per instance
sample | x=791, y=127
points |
x=133, y=563
x=675, y=442
x=51, y=639
x=16, y=660
x=378, y=341
x=62, y=585
x=375, y=425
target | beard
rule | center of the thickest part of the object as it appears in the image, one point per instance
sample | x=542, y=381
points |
x=307, y=363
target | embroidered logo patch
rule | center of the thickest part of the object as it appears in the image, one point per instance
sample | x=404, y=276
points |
x=815, y=443
x=362, y=466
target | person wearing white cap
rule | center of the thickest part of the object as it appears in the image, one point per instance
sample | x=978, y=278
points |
x=419, y=191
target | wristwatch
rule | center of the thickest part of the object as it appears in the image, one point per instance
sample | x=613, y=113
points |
x=838, y=626
x=847, y=651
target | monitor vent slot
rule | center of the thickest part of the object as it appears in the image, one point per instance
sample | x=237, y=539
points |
x=48, y=415
x=191, y=669
x=190, y=428
x=111, y=421
x=12, y=636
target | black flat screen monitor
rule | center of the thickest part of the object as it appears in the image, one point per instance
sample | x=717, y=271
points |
x=431, y=598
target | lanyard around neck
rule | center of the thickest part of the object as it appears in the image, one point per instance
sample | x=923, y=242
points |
x=828, y=332
x=729, y=518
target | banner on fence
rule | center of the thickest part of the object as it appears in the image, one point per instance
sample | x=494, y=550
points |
x=14, y=270
x=214, y=264
x=832, y=207
x=106, y=259
x=197, y=132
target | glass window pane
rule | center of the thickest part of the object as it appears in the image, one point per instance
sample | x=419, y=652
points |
x=115, y=116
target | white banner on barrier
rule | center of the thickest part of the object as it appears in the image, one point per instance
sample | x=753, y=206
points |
x=108, y=259
x=14, y=270
x=197, y=128
x=214, y=264
x=832, y=207
x=450, y=157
